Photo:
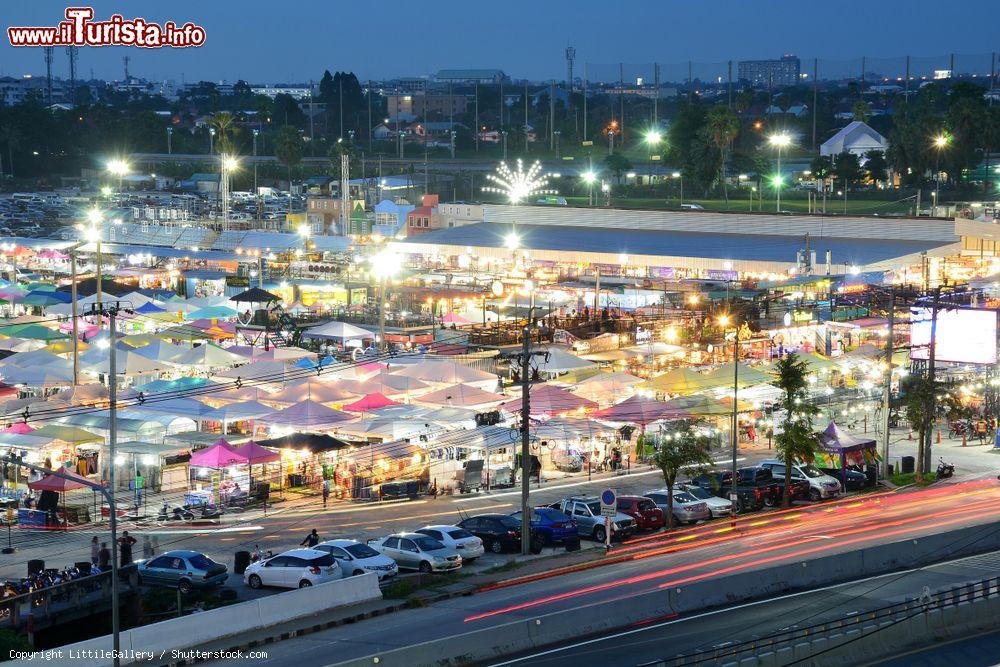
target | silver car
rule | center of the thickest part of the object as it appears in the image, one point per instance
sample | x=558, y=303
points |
x=687, y=508
x=459, y=539
x=414, y=551
x=719, y=507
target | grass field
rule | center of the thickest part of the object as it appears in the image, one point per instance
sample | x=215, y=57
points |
x=833, y=206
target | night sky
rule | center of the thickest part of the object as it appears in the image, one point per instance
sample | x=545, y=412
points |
x=267, y=41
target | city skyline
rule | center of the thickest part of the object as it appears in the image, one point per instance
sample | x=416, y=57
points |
x=303, y=48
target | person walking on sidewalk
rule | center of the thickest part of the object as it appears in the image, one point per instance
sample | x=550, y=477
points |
x=326, y=492
x=312, y=539
x=125, y=543
x=104, y=557
x=95, y=550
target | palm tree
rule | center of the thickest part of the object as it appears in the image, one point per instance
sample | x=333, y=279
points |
x=796, y=442
x=288, y=149
x=225, y=130
x=685, y=448
x=722, y=127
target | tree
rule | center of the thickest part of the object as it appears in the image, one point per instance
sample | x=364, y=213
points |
x=10, y=136
x=617, y=163
x=861, y=111
x=847, y=168
x=722, y=127
x=684, y=448
x=918, y=393
x=876, y=167
x=225, y=131
x=821, y=167
x=796, y=441
x=288, y=149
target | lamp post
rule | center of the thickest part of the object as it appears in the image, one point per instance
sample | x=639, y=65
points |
x=940, y=143
x=211, y=140
x=170, y=136
x=589, y=177
x=678, y=175
x=724, y=321
x=119, y=168
x=384, y=265
x=95, y=217
x=227, y=165
x=256, y=132
x=779, y=141
x=653, y=139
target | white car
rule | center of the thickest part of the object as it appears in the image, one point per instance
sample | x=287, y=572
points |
x=720, y=507
x=459, y=539
x=355, y=558
x=821, y=485
x=414, y=551
x=298, y=568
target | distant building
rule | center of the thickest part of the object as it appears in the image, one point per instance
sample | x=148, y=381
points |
x=297, y=91
x=421, y=219
x=797, y=110
x=390, y=217
x=407, y=84
x=423, y=104
x=784, y=71
x=460, y=213
x=489, y=76
x=856, y=138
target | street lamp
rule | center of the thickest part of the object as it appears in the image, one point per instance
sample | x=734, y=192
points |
x=118, y=168
x=384, y=265
x=228, y=164
x=724, y=321
x=678, y=175
x=93, y=234
x=779, y=141
x=653, y=139
x=589, y=177
x=211, y=140
x=170, y=135
x=940, y=143
x=512, y=241
x=256, y=132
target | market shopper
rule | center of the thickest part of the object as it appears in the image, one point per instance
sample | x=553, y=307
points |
x=326, y=492
x=104, y=557
x=95, y=550
x=312, y=539
x=125, y=543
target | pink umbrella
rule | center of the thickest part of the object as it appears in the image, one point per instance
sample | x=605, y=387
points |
x=20, y=428
x=61, y=481
x=254, y=453
x=219, y=455
x=454, y=318
x=370, y=402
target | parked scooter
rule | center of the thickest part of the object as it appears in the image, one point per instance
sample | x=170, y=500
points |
x=945, y=470
x=168, y=513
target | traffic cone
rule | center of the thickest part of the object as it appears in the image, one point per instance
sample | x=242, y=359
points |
x=963, y=440
x=939, y=437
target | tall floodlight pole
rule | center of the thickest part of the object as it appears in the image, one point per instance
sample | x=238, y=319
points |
x=779, y=141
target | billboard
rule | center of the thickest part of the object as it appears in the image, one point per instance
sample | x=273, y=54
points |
x=964, y=336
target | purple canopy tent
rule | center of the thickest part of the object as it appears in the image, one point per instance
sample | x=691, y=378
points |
x=838, y=446
x=255, y=454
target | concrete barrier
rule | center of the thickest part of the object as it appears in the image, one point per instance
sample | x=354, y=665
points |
x=194, y=630
x=546, y=630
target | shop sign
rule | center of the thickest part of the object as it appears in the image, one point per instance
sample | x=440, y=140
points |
x=715, y=274
x=666, y=272
x=237, y=281
x=802, y=316
x=643, y=335
x=855, y=288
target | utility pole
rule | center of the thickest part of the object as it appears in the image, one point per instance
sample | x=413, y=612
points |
x=49, y=50
x=341, y=105
x=656, y=91
x=887, y=388
x=370, y=126
x=477, y=128
x=73, y=314
x=552, y=115
x=815, y=99
x=525, y=436
x=924, y=466
x=585, y=101
x=71, y=53
x=736, y=425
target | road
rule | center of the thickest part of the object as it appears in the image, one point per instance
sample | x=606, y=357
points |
x=661, y=561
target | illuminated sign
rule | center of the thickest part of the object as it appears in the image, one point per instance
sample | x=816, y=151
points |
x=961, y=336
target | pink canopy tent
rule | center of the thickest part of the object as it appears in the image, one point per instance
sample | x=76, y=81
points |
x=550, y=400
x=20, y=428
x=60, y=482
x=370, y=402
x=639, y=410
x=219, y=455
x=255, y=454
x=51, y=253
x=455, y=318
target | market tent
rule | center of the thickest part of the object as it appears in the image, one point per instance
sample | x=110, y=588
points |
x=446, y=372
x=607, y=388
x=313, y=442
x=396, y=383
x=680, y=381
x=746, y=376
x=817, y=363
x=707, y=406
x=213, y=313
x=65, y=346
x=34, y=358
x=161, y=350
x=369, y=402
x=560, y=361
x=38, y=376
x=839, y=449
x=140, y=340
x=312, y=389
x=446, y=416
x=185, y=332
x=59, y=481
x=32, y=331
x=254, y=295
x=71, y=434
x=549, y=400
x=338, y=331
x=208, y=356
x=255, y=454
x=640, y=410
x=238, y=412
x=570, y=428
x=20, y=428
x=127, y=361
x=277, y=372
x=387, y=428
x=180, y=384
x=219, y=455
x=307, y=414
x=20, y=345
x=462, y=395
x=191, y=408
x=456, y=319
x=274, y=354
x=234, y=395
x=42, y=299
x=150, y=308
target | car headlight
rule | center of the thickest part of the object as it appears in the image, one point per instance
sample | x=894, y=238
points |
x=439, y=559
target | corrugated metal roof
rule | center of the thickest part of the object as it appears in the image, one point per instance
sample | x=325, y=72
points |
x=672, y=243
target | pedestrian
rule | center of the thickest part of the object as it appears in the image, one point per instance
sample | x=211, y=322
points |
x=155, y=542
x=326, y=491
x=125, y=543
x=95, y=550
x=147, y=547
x=312, y=539
x=104, y=557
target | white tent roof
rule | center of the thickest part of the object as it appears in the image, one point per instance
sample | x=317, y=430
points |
x=51, y=375
x=462, y=395
x=127, y=361
x=277, y=372
x=239, y=411
x=161, y=350
x=33, y=358
x=445, y=372
x=339, y=330
x=208, y=356
x=560, y=361
x=857, y=138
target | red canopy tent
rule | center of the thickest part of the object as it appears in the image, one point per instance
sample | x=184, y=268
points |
x=372, y=401
x=60, y=481
x=219, y=455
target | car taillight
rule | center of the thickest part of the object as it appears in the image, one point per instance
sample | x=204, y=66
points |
x=558, y=525
x=573, y=523
x=313, y=569
x=757, y=493
x=512, y=533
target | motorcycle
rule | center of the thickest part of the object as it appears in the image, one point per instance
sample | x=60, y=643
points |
x=945, y=470
x=258, y=554
x=168, y=513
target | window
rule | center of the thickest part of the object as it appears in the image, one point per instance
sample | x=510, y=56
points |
x=336, y=552
x=433, y=534
x=295, y=561
x=459, y=534
x=391, y=543
x=407, y=545
x=161, y=562
x=361, y=551
x=201, y=562
x=320, y=561
x=427, y=544
x=277, y=561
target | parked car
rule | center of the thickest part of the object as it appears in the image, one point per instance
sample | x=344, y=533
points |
x=183, y=570
x=586, y=511
x=457, y=538
x=749, y=496
x=355, y=558
x=687, y=508
x=551, y=525
x=645, y=512
x=298, y=568
x=692, y=207
x=499, y=532
x=856, y=480
x=821, y=485
x=719, y=507
x=413, y=551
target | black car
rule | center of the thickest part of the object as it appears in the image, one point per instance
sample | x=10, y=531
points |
x=855, y=480
x=499, y=532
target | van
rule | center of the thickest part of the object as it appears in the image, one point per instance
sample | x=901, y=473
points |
x=821, y=485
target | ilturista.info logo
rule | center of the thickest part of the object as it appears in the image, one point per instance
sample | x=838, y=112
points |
x=80, y=29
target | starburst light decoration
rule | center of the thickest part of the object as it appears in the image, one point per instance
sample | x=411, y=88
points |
x=520, y=184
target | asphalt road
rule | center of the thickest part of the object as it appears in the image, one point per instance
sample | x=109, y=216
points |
x=700, y=553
